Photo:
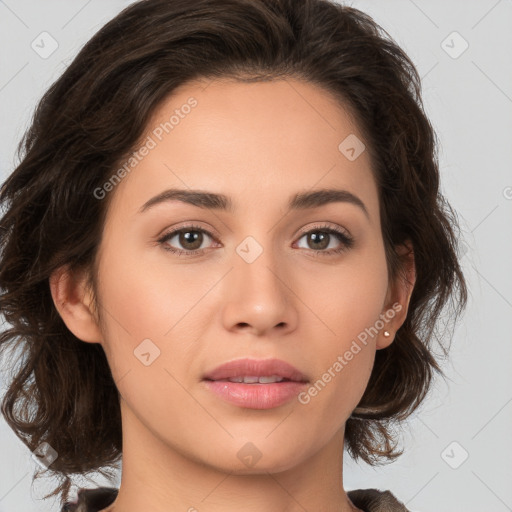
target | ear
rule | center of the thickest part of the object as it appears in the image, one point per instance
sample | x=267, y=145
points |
x=74, y=303
x=398, y=296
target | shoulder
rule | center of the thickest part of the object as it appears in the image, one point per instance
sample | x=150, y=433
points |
x=373, y=500
x=369, y=500
x=91, y=500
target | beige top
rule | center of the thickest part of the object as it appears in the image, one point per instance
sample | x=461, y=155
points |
x=368, y=500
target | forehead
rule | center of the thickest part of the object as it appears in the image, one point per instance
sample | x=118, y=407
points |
x=246, y=140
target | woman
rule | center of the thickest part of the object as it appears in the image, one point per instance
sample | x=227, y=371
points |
x=224, y=255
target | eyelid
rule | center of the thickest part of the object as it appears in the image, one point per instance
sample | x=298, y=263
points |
x=191, y=225
x=320, y=225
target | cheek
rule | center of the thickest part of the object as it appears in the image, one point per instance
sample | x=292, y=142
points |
x=147, y=299
x=153, y=315
x=349, y=302
x=147, y=337
x=347, y=298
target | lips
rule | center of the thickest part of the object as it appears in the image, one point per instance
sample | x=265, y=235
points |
x=255, y=384
x=254, y=371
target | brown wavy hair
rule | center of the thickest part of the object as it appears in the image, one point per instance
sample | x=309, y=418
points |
x=93, y=116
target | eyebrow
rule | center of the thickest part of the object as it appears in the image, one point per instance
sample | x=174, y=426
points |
x=221, y=202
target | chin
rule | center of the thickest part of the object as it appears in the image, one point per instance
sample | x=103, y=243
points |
x=252, y=458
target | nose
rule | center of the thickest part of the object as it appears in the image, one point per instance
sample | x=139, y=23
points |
x=258, y=294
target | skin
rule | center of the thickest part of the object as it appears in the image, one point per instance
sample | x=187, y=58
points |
x=258, y=143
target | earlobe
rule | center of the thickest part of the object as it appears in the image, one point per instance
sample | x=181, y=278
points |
x=74, y=303
x=398, y=296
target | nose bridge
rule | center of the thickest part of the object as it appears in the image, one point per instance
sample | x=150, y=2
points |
x=257, y=264
x=257, y=293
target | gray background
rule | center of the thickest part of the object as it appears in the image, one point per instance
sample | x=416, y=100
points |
x=468, y=96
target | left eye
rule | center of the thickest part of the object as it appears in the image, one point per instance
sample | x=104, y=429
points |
x=322, y=238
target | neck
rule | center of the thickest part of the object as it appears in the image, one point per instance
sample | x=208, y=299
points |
x=156, y=476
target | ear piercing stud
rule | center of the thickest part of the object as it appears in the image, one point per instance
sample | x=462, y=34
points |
x=386, y=334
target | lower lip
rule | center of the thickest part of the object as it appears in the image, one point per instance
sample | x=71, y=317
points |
x=256, y=396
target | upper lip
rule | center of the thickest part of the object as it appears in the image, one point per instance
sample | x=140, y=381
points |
x=256, y=368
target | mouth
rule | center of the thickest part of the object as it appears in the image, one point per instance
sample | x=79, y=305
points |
x=256, y=371
x=255, y=380
x=255, y=384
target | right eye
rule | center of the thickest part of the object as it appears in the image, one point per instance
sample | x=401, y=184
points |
x=187, y=236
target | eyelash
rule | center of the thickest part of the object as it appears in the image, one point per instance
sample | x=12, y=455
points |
x=346, y=241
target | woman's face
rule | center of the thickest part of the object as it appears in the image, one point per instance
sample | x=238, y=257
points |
x=265, y=281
